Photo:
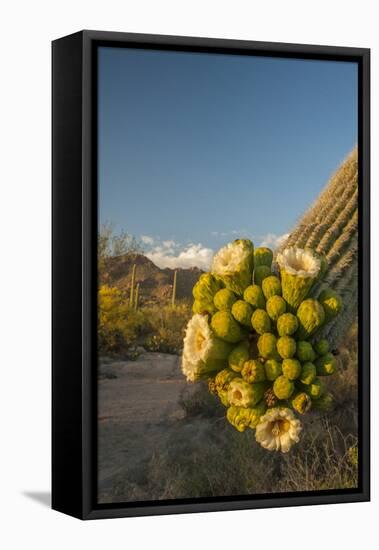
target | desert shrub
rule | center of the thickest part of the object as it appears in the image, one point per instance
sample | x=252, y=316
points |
x=118, y=326
x=165, y=326
x=156, y=327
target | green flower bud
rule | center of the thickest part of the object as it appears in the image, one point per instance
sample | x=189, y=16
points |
x=267, y=346
x=291, y=368
x=263, y=256
x=321, y=347
x=326, y=364
x=239, y=356
x=283, y=388
x=253, y=371
x=224, y=299
x=261, y=321
x=315, y=389
x=287, y=324
x=311, y=316
x=304, y=351
x=273, y=369
x=271, y=286
x=253, y=295
x=308, y=373
x=286, y=347
x=242, y=394
x=226, y=327
x=233, y=265
x=301, y=402
x=331, y=302
x=242, y=418
x=203, y=292
x=221, y=384
x=324, y=403
x=202, y=307
x=242, y=312
x=260, y=273
x=275, y=307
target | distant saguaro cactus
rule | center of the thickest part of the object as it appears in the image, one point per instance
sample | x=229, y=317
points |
x=132, y=284
x=173, y=298
x=330, y=226
x=136, y=297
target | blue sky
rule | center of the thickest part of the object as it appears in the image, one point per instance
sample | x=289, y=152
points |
x=198, y=149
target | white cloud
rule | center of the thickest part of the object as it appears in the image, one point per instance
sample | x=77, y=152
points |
x=192, y=255
x=272, y=240
x=146, y=239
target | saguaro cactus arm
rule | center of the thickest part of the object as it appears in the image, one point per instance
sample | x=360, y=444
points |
x=331, y=227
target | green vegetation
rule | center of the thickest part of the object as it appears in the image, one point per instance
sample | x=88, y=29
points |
x=122, y=326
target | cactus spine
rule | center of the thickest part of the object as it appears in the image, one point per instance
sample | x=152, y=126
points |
x=132, y=285
x=331, y=227
x=173, y=298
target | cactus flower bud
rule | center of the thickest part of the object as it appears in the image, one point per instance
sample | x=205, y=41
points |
x=226, y=327
x=260, y=274
x=283, y=388
x=308, y=373
x=311, y=316
x=253, y=295
x=275, y=307
x=263, y=256
x=203, y=292
x=291, y=368
x=267, y=346
x=271, y=286
x=331, y=302
x=326, y=364
x=242, y=418
x=299, y=270
x=305, y=351
x=261, y=321
x=286, y=347
x=273, y=369
x=253, y=371
x=324, y=403
x=321, y=347
x=287, y=324
x=224, y=299
x=221, y=383
x=202, y=307
x=239, y=356
x=315, y=389
x=301, y=402
x=234, y=264
x=242, y=312
x=278, y=430
x=242, y=394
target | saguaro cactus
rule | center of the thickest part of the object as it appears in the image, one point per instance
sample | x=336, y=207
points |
x=173, y=298
x=136, y=297
x=331, y=227
x=132, y=285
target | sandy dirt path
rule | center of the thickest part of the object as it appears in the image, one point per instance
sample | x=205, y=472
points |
x=138, y=411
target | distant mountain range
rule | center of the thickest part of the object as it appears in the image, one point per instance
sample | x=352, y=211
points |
x=155, y=283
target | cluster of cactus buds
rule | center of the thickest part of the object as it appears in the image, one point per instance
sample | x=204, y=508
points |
x=254, y=337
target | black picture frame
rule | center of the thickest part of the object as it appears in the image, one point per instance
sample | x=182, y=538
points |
x=74, y=205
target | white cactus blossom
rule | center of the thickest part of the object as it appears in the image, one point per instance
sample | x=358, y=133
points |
x=278, y=430
x=197, y=342
x=203, y=353
x=228, y=258
x=299, y=262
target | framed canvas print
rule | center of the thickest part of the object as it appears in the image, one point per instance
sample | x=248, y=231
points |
x=210, y=275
